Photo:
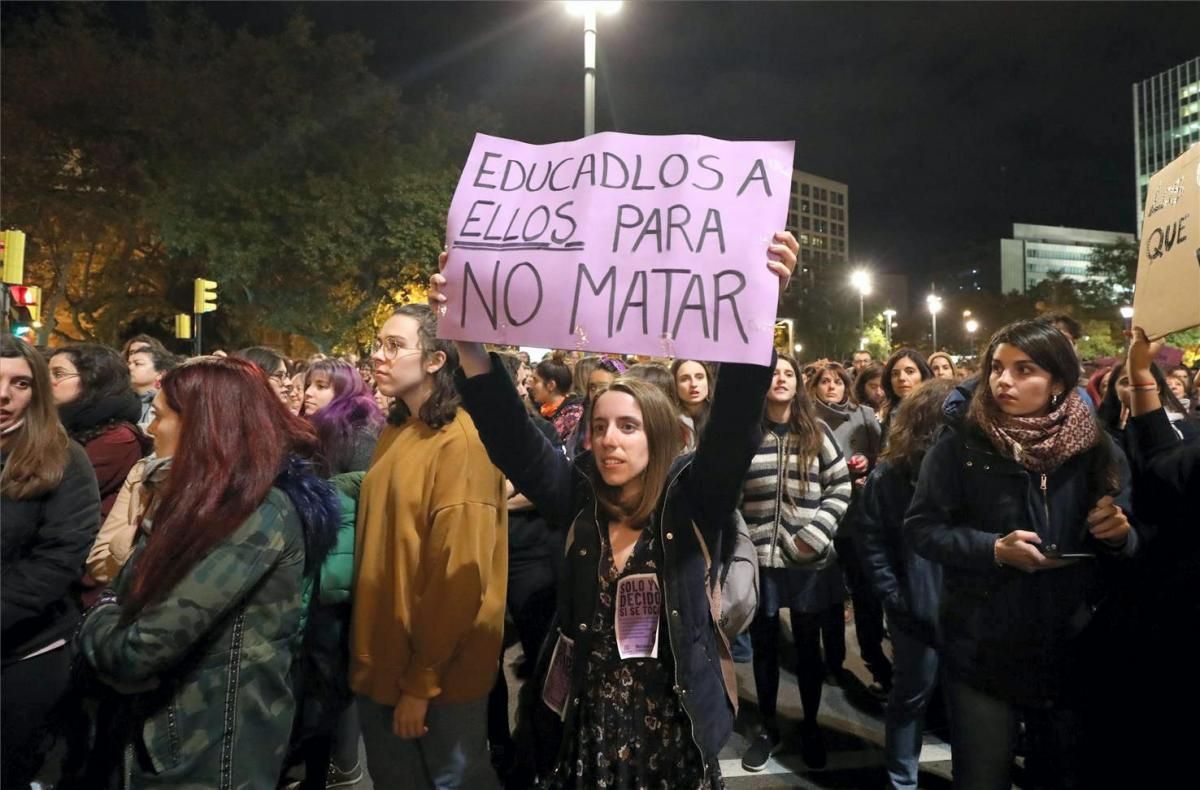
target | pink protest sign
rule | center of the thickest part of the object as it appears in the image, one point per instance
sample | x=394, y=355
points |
x=619, y=243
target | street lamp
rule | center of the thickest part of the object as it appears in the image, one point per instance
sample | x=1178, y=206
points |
x=860, y=280
x=934, y=302
x=1127, y=318
x=888, y=315
x=588, y=11
x=972, y=327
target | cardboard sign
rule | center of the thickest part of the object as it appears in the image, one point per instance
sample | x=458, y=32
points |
x=1166, y=298
x=637, y=612
x=619, y=243
x=557, y=687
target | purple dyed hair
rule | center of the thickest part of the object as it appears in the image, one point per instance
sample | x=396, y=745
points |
x=352, y=412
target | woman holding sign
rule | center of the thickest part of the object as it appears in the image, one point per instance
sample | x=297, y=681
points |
x=637, y=671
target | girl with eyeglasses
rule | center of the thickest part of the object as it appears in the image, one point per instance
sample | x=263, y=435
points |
x=100, y=410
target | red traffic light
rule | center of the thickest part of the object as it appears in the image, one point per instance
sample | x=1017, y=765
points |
x=23, y=295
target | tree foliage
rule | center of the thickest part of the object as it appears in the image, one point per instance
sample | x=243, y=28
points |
x=277, y=165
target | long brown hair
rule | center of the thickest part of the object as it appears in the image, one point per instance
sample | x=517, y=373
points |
x=234, y=437
x=660, y=422
x=805, y=436
x=834, y=369
x=915, y=424
x=38, y=456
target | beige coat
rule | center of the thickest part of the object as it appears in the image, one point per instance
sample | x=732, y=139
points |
x=114, y=543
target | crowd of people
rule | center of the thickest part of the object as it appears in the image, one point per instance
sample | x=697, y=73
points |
x=226, y=571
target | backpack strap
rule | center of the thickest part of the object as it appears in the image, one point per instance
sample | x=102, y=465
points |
x=728, y=672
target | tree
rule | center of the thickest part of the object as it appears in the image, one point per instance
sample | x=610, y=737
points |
x=277, y=165
x=71, y=177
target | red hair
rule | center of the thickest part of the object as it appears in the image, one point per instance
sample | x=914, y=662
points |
x=235, y=437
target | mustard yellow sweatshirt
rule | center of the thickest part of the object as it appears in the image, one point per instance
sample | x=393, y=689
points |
x=431, y=566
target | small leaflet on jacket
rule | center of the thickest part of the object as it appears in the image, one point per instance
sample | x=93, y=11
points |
x=558, y=677
x=639, y=606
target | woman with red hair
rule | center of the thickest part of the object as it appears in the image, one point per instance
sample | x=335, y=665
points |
x=200, y=630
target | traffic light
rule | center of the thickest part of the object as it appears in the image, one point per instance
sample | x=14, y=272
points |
x=13, y=252
x=26, y=302
x=183, y=326
x=204, y=298
x=24, y=310
x=783, y=336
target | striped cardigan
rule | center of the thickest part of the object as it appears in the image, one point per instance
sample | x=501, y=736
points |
x=809, y=508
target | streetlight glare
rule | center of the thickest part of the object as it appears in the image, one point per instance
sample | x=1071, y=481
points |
x=582, y=7
x=860, y=280
x=934, y=302
x=972, y=325
x=1127, y=312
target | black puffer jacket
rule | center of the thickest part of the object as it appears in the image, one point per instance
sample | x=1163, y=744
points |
x=46, y=540
x=1006, y=632
x=908, y=584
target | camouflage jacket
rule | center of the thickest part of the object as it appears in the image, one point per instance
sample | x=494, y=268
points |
x=208, y=667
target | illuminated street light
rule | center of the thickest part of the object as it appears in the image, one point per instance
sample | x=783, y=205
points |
x=934, y=303
x=888, y=315
x=1127, y=312
x=588, y=11
x=972, y=326
x=860, y=280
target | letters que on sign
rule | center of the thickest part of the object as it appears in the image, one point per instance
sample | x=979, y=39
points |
x=620, y=243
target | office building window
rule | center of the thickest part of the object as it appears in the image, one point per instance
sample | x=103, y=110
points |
x=804, y=190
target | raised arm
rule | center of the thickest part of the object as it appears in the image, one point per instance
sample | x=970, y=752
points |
x=514, y=443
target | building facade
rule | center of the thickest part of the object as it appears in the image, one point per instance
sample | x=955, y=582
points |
x=819, y=217
x=1035, y=251
x=1166, y=122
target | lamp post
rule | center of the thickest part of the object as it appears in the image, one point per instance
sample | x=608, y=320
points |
x=971, y=327
x=588, y=11
x=934, y=302
x=860, y=280
x=888, y=315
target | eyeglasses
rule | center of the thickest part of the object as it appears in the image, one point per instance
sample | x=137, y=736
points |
x=389, y=348
x=58, y=374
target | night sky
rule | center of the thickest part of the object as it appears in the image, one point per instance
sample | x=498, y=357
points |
x=949, y=122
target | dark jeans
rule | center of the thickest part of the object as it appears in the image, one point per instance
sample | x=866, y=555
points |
x=868, y=611
x=984, y=739
x=30, y=690
x=810, y=672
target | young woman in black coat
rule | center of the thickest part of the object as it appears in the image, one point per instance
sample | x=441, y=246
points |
x=50, y=513
x=907, y=584
x=1025, y=509
x=654, y=704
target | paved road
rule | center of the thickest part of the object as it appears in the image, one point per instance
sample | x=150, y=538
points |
x=853, y=728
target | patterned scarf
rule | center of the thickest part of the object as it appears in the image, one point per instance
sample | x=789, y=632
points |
x=1042, y=444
